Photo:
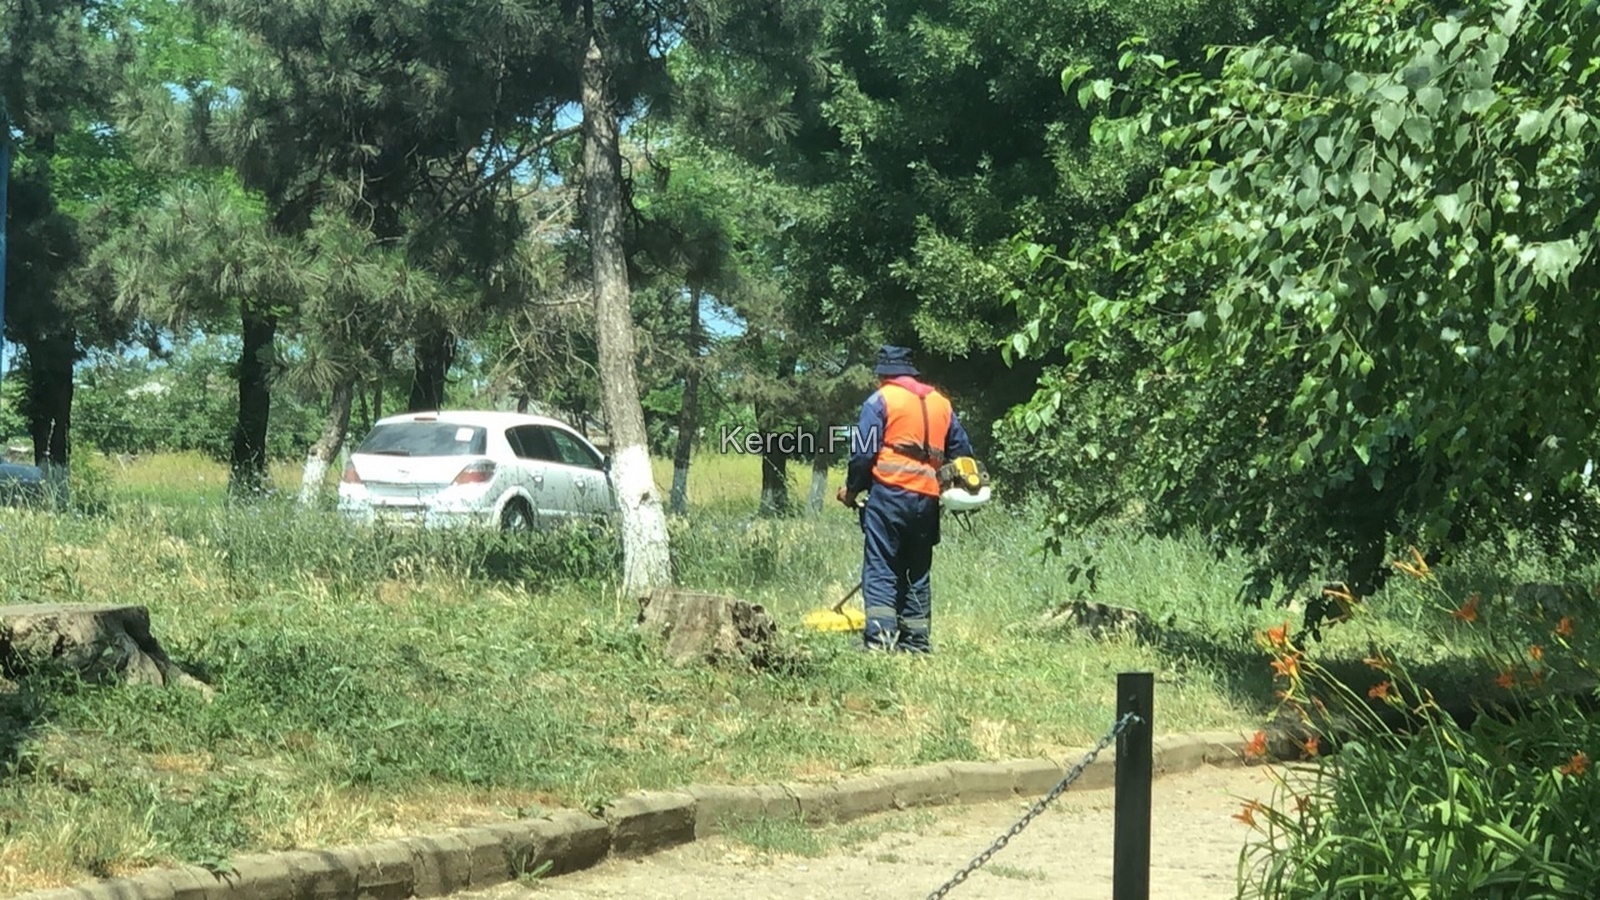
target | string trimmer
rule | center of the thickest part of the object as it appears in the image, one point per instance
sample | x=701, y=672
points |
x=837, y=618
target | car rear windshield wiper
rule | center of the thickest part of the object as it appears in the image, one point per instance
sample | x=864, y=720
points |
x=390, y=452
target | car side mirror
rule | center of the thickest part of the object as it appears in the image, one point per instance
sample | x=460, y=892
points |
x=605, y=463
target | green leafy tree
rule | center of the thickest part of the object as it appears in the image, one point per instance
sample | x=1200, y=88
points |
x=359, y=301
x=1359, y=310
x=205, y=256
x=60, y=65
x=926, y=136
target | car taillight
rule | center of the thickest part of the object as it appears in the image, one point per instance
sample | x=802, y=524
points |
x=350, y=476
x=476, y=473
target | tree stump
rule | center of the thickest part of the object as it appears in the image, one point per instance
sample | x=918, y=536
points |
x=100, y=643
x=705, y=627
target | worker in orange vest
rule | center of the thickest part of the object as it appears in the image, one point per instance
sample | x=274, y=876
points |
x=906, y=432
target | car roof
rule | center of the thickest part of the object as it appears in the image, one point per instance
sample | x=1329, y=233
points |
x=483, y=418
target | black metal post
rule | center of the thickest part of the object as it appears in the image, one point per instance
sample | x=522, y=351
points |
x=1130, y=871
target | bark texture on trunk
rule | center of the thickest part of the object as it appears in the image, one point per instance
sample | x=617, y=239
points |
x=248, y=462
x=49, y=401
x=689, y=415
x=49, y=409
x=326, y=449
x=435, y=352
x=774, y=483
x=775, y=463
x=101, y=643
x=692, y=627
x=646, y=563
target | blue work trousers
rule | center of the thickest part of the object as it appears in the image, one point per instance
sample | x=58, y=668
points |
x=901, y=529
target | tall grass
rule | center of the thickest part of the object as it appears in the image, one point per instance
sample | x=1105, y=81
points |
x=374, y=682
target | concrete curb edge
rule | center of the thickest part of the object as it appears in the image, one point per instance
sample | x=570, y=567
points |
x=635, y=824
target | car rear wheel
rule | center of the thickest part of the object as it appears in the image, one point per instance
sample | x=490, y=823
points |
x=516, y=518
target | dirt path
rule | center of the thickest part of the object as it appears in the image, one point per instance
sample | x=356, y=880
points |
x=1063, y=855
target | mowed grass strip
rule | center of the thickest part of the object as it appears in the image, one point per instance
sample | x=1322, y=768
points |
x=375, y=684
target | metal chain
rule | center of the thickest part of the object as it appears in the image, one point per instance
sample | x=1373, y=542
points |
x=1038, y=807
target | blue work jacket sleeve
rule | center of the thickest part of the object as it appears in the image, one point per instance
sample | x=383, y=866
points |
x=957, y=444
x=865, y=442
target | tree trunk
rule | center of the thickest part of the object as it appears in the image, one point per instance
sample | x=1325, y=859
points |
x=49, y=408
x=326, y=449
x=364, y=410
x=689, y=415
x=248, y=462
x=377, y=401
x=774, y=462
x=774, y=482
x=435, y=351
x=646, y=563
x=819, y=481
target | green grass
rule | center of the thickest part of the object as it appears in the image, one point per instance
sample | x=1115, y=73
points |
x=375, y=684
x=1001, y=870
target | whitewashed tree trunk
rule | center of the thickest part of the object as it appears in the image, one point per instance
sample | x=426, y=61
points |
x=326, y=449
x=819, y=483
x=645, y=552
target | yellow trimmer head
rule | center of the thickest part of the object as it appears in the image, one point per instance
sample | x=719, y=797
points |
x=837, y=618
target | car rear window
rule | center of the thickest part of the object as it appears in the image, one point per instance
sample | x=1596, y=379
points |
x=425, y=439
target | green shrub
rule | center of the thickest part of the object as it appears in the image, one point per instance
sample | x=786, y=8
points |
x=89, y=481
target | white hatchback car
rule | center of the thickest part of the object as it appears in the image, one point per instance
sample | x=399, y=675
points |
x=495, y=469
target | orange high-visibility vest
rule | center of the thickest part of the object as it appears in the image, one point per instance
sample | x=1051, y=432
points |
x=913, y=439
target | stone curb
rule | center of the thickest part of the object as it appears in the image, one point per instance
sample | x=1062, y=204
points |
x=566, y=841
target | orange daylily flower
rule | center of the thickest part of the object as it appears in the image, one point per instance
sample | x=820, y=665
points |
x=1342, y=596
x=1564, y=627
x=1417, y=568
x=1257, y=747
x=1312, y=745
x=1506, y=679
x=1289, y=666
x=1278, y=636
x=1536, y=652
x=1468, y=612
x=1247, y=813
x=1578, y=765
x=1379, y=691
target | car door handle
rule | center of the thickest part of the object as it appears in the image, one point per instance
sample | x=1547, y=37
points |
x=581, y=484
x=538, y=479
